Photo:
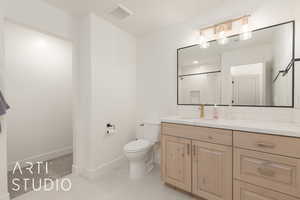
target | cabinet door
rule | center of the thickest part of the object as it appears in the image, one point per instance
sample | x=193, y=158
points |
x=177, y=162
x=212, y=171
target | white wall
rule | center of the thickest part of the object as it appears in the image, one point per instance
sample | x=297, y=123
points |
x=113, y=89
x=108, y=84
x=156, y=72
x=41, y=16
x=38, y=80
x=3, y=140
x=83, y=159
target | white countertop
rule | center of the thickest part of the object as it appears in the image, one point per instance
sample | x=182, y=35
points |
x=266, y=127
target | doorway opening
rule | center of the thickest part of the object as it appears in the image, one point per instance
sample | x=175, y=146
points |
x=38, y=88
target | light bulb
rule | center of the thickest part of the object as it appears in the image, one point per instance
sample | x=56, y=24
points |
x=246, y=36
x=201, y=39
x=246, y=32
x=223, y=39
x=245, y=28
x=203, y=42
x=205, y=45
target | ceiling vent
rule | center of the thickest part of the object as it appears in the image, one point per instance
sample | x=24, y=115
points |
x=121, y=12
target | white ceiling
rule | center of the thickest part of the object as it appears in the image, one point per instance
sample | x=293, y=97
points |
x=149, y=15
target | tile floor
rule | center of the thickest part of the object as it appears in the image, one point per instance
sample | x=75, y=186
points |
x=57, y=168
x=113, y=186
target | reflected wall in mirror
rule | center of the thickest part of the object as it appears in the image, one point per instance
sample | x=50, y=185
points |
x=254, y=72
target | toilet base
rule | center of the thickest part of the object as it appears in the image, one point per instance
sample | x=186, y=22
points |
x=137, y=169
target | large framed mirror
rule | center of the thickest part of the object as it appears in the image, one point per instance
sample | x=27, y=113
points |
x=254, y=72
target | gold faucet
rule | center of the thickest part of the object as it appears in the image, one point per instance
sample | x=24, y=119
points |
x=202, y=109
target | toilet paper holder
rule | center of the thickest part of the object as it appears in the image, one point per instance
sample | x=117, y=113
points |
x=110, y=129
x=109, y=125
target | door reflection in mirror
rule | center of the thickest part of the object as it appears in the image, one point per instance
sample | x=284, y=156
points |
x=240, y=73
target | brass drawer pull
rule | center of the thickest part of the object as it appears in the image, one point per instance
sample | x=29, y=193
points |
x=188, y=149
x=265, y=145
x=265, y=170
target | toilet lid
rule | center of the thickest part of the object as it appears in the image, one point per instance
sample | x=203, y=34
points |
x=137, y=145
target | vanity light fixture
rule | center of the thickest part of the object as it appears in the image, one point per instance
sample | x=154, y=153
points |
x=223, y=30
x=246, y=32
x=195, y=62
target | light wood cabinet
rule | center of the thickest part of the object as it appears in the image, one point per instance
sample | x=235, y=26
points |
x=200, y=167
x=212, y=171
x=177, y=162
x=217, y=164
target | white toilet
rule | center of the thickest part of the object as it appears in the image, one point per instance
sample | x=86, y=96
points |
x=140, y=152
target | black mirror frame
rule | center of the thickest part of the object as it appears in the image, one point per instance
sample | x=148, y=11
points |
x=293, y=71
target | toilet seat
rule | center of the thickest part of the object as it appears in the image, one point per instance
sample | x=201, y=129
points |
x=137, y=146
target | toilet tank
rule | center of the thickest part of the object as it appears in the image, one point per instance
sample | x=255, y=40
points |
x=149, y=130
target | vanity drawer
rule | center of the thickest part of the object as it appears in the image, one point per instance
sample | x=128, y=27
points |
x=285, y=146
x=270, y=171
x=212, y=135
x=245, y=191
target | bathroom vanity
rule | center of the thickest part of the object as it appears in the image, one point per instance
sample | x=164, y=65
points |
x=234, y=159
x=231, y=159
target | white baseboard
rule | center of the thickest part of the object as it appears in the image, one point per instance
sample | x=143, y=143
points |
x=42, y=157
x=102, y=169
x=4, y=196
